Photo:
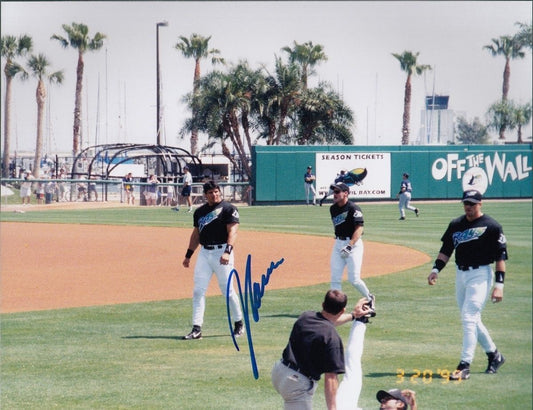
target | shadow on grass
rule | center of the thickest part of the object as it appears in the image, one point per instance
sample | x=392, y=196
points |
x=170, y=337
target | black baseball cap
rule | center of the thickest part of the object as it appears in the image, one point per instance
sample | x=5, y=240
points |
x=341, y=186
x=395, y=394
x=472, y=196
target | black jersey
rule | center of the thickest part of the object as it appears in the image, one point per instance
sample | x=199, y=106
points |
x=315, y=346
x=476, y=243
x=212, y=222
x=346, y=218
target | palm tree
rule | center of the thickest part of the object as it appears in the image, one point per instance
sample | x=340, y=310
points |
x=500, y=116
x=524, y=35
x=324, y=118
x=78, y=38
x=511, y=49
x=283, y=98
x=197, y=47
x=408, y=64
x=306, y=56
x=38, y=66
x=12, y=47
x=521, y=116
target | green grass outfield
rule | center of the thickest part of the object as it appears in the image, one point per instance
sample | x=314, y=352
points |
x=130, y=356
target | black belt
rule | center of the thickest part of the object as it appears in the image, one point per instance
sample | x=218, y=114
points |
x=467, y=267
x=211, y=247
x=343, y=238
x=292, y=366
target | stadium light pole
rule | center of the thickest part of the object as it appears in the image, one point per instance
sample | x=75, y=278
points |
x=158, y=85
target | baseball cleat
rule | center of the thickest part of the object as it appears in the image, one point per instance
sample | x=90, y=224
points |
x=496, y=360
x=402, y=218
x=462, y=372
x=371, y=305
x=196, y=333
x=239, y=328
x=417, y=212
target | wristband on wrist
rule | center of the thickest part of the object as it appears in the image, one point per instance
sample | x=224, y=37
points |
x=229, y=249
x=498, y=285
x=500, y=276
x=189, y=253
x=439, y=265
x=435, y=271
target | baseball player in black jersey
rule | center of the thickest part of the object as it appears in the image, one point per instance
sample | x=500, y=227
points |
x=215, y=229
x=348, y=248
x=478, y=241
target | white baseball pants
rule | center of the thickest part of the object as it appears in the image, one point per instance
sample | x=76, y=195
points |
x=403, y=204
x=309, y=188
x=353, y=263
x=208, y=262
x=472, y=288
x=352, y=382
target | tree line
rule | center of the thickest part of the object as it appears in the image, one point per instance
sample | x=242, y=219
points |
x=238, y=106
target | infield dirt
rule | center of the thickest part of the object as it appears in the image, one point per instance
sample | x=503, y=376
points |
x=54, y=266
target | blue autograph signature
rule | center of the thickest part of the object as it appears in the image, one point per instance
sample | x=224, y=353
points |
x=255, y=291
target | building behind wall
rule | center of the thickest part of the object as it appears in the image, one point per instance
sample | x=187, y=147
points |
x=437, y=122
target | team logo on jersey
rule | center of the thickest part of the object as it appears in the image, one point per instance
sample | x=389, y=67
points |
x=337, y=220
x=471, y=234
x=502, y=239
x=207, y=219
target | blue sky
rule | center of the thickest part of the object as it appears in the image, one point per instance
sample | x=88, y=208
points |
x=358, y=38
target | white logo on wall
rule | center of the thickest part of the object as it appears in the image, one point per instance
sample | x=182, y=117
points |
x=475, y=178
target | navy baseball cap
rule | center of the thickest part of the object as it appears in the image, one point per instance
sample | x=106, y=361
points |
x=392, y=394
x=472, y=196
x=341, y=186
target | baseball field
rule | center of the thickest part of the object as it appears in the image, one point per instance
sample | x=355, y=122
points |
x=94, y=301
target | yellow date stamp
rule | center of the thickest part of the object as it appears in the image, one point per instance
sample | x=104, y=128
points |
x=425, y=376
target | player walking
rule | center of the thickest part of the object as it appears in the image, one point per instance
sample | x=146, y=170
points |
x=478, y=240
x=405, y=197
x=215, y=229
x=348, y=248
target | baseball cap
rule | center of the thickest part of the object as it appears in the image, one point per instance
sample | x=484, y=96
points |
x=341, y=186
x=472, y=196
x=309, y=167
x=392, y=394
x=185, y=167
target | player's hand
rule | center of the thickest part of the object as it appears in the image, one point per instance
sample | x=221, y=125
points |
x=186, y=262
x=497, y=295
x=224, y=258
x=432, y=278
x=410, y=395
x=345, y=252
x=361, y=308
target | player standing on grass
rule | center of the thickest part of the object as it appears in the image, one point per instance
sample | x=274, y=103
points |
x=348, y=248
x=215, y=229
x=478, y=241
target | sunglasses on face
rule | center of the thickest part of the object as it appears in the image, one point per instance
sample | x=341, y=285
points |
x=336, y=191
x=469, y=203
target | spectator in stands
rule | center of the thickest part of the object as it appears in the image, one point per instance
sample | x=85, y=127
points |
x=150, y=191
x=129, y=188
x=25, y=188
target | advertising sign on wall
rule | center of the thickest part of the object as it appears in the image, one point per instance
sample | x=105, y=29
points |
x=366, y=173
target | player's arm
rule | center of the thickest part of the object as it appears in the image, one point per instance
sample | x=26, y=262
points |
x=331, y=384
x=360, y=309
x=357, y=233
x=232, y=229
x=194, y=241
x=439, y=264
x=497, y=291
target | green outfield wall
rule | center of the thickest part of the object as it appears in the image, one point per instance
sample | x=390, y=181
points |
x=436, y=172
